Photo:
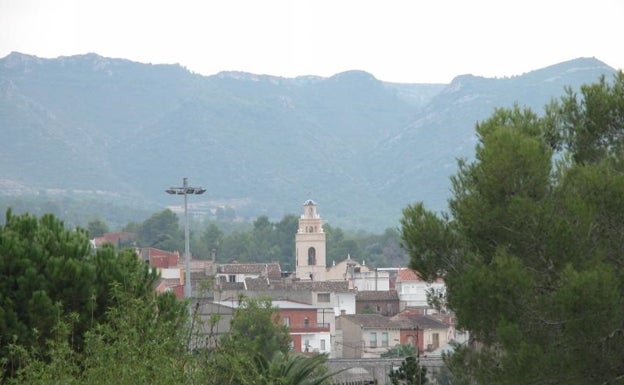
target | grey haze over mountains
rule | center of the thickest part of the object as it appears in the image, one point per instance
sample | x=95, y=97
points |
x=361, y=148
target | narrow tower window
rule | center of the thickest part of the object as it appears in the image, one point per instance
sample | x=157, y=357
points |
x=311, y=256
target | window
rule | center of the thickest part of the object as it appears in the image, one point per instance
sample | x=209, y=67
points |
x=231, y=278
x=373, y=339
x=307, y=345
x=435, y=339
x=306, y=321
x=287, y=321
x=311, y=256
x=384, y=339
x=323, y=345
x=322, y=297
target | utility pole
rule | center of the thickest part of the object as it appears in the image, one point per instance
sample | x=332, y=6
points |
x=186, y=190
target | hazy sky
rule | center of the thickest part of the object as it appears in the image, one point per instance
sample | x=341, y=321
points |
x=403, y=41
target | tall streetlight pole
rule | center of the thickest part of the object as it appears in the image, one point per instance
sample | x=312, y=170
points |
x=186, y=190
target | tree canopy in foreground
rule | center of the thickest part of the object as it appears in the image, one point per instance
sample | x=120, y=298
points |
x=69, y=315
x=49, y=274
x=532, y=250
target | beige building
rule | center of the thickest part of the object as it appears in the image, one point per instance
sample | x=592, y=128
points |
x=311, y=257
x=366, y=336
x=413, y=290
x=310, y=245
x=370, y=335
x=359, y=276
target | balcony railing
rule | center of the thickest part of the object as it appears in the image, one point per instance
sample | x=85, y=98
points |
x=311, y=326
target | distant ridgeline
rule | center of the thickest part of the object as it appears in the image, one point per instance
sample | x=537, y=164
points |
x=112, y=129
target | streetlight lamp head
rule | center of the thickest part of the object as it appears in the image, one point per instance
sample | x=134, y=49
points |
x=185, y=190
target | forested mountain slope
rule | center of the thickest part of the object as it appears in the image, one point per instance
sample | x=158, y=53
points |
x=89, y=126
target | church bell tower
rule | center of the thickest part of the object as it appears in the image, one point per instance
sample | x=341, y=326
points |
x=310, y=245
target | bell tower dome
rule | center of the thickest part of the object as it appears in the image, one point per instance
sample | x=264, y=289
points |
x=310, y=245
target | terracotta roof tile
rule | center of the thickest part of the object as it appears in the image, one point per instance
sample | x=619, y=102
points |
x=412, y=275
x=331, y=286
x=257, y=283
x=377, y=321
x=408, y=275
x=240, y=286
x=423, y=321
x=272, y=269
x=377, y=295
x=368, y=320
x=114, y=238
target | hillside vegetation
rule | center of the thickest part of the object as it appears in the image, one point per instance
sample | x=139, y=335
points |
x=119, y=131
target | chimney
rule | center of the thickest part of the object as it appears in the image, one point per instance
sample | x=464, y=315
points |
x=343, y=312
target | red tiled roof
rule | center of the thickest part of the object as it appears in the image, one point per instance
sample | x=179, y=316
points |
x=223, y=284
x=408, y=275
x=261, y=283
x=377, y=295
x=412, y=275
x=170, y=284
x=159, y=258
x=273, y=269
x=114, y=238
x=369, y=320
x=423, y=321
x=316, y=286
x=377, y=321
x=160, y=253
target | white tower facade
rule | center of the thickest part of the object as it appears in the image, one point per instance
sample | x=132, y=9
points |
x=310, y=245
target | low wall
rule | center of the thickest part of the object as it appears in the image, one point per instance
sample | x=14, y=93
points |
x=361, y=371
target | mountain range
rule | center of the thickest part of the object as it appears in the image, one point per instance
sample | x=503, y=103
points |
x=363, y=149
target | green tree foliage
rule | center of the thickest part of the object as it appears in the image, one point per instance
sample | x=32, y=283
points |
x=119, y=267
x=162, y=231
x=383, y=250
x=226, y=214
x=401, y=350
x=48, y=273
x=229, y=366
x=265, y=242
x=285, y=231
x=44, y=273
x=97, y=228
x=95, y=319
x=210, y=240
x=256, y=351
x=145, y=341
x=256, y=328
x=339, y=246
x=236, y=246
x=270, y=241
x=409, y=373
x=141, y=342
x=531, y=251
x=75, y=210
x=376, y=250
x=294, y=369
